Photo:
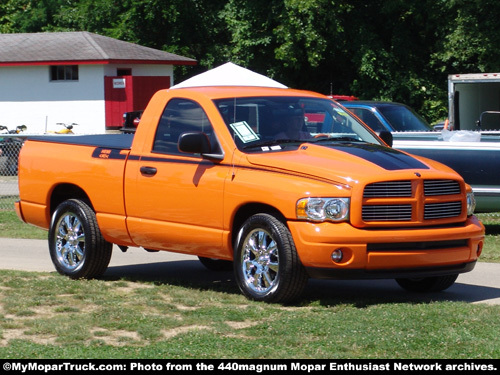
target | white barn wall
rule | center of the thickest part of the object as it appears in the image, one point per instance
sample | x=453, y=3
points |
x=27, y=96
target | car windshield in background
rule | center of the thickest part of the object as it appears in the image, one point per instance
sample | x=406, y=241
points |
x=403, y=118
x=277, y=123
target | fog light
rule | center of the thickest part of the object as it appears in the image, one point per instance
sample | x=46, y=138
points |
x=479, y=249
x=337, y=255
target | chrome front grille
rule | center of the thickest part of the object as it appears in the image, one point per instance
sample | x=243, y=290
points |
x=388, y=189
x=442, y=210
x=401, y=201
x=441, y=187
x=393, y=212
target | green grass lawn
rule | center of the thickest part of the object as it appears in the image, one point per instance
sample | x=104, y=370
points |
x=491, y=250
x=45, y=315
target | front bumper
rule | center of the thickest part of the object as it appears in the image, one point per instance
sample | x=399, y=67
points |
x=387, y=253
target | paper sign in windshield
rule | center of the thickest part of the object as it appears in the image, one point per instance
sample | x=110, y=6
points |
x=244, y=131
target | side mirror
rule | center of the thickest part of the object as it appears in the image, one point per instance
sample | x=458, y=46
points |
x=194, y=143
x=386, y=137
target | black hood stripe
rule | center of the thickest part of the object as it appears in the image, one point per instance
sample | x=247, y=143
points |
x=384, y=157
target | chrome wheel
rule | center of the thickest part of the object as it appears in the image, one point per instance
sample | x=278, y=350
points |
x=260, y=261
x=267, y=267
x=77, y=247
x=70, y=242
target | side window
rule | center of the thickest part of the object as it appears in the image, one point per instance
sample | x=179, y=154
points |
x=368, y=118
x=181, y=116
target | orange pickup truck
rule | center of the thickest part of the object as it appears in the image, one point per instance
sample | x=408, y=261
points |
x=239, y=177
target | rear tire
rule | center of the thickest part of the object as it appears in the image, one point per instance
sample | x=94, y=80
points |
x=267, y=266
x=76, y=245
x=427, y=284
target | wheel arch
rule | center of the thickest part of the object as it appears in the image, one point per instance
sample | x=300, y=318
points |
x=248, y=210
x=63, y=192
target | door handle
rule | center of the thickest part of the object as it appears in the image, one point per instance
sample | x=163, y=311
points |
x=148, y=171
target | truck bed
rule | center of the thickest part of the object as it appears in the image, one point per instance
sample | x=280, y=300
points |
x=117, y=141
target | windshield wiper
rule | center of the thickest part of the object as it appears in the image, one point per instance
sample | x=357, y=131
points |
x=273, y=143
x=346, y=139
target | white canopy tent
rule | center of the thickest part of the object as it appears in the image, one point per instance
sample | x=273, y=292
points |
x=229, y=74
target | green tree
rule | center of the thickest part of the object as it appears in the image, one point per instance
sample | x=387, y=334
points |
x=27, y=16
x=298, y=42
x=471, y=40
x=87, y=15
x=312, y=44
x=392, y=53
x=249, y=25
x=187, y=27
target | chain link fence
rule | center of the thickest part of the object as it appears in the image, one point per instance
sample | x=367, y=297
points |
x=10, y=146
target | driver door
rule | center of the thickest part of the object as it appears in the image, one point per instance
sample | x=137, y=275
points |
x=174, y=200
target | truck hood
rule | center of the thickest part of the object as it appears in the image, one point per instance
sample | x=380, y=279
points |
x=342, y=163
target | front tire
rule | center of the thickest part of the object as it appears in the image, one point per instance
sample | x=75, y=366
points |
x=427, y=284
x=266, y=263
x=76, y=245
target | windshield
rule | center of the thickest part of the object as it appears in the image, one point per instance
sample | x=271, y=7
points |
x=277, y=123
x=403, y=118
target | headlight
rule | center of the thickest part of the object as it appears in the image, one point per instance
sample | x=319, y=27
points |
x=471, y=203
x=321, y=209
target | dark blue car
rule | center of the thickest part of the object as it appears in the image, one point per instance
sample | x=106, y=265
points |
x=389, y=116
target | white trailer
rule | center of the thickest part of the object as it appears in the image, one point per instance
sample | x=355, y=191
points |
x=474, y=101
